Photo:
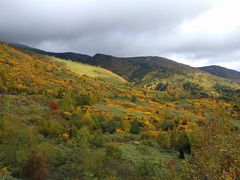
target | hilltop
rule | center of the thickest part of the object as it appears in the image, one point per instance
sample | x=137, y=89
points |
x=222, y=72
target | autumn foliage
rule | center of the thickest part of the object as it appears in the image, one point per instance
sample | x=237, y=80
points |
x=91, y=128
x=53, y=106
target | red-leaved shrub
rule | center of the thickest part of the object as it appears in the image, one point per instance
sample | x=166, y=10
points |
x=53, y=106
x=35, y=168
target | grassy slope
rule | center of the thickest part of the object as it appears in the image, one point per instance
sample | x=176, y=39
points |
x=92, y=71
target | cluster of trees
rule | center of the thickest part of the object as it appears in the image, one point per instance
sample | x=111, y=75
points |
x=161, y=86
x=195, y=89
x=227, y=93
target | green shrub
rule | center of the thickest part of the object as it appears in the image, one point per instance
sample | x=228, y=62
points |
x=51, y=128
x=181, y=143
x=67, y=103
x=236, y=107
x=80, y=119
x=73, y=132
x=84, y=162
x=166, y=125
x=99, y=119
x=97, y=139
x=135, y=127
x=146, y=169
x=133, y=98
x=164, y=140
x=194, y=89
x=3, y=89
x=161, y=86
x=87, y=120
x=17, y=143
x=227, y=93
x=119, y=169
x=114, y=151
x=51, y=153
x=14, y=90
x=110, y=126
x=7, y=177
x=84, y=99
x=75, y=120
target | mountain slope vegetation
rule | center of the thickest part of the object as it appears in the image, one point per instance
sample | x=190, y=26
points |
x=37, y=74
x=64, y=120
x=179, y=80
x=136, y=68
x=89, y=70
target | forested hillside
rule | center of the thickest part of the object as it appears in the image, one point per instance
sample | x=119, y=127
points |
x=160, y=74
x=64, y=120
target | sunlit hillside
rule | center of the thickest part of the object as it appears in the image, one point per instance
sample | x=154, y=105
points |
x=199, y=84
x=36, y=74
x=92, y=71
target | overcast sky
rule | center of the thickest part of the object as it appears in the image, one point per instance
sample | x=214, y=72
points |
x=195, y=32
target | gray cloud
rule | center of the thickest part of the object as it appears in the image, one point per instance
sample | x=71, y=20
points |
x=121, y=28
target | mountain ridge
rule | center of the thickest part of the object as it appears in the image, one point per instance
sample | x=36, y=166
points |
x=136, y=68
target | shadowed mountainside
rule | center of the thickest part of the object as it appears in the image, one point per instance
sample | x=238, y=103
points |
x=134, y=69
x=222, y=72
x=131, y=68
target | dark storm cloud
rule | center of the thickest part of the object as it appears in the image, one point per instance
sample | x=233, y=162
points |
x=121, y=28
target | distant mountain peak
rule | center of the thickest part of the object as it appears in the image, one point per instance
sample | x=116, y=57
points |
x=222, y=72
